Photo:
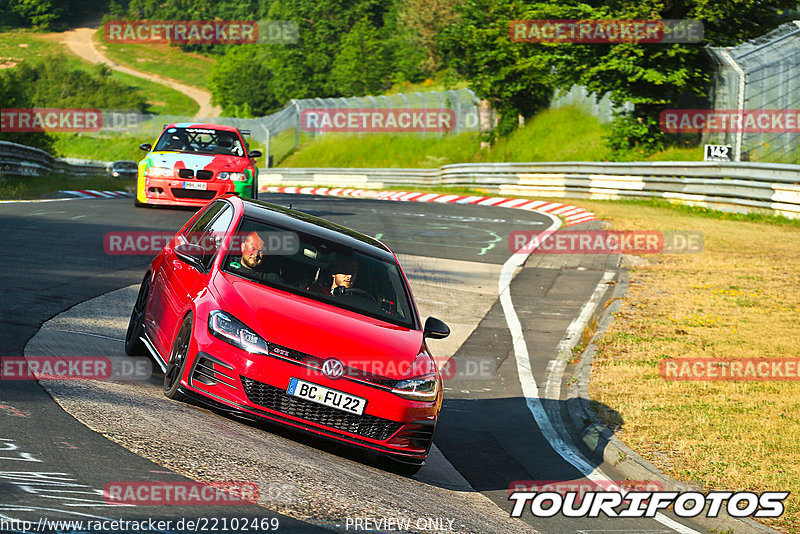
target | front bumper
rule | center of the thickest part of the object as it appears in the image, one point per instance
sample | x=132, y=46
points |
x=255, y=385
x=171, y=191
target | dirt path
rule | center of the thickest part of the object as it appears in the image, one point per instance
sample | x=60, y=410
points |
x=81, y=43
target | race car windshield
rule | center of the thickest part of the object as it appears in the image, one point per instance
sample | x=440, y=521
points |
x=200, y=140
x=320, y=269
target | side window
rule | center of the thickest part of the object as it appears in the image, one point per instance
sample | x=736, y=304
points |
x=204, y=221
x=209, y=230
x=216, y=232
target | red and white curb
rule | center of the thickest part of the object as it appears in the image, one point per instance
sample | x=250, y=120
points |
x=91, y=193
x=571, y=214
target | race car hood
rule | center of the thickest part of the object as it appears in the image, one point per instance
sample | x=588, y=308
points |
x=211, y=162
x=319, y=329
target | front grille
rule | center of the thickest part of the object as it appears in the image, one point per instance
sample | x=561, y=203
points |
x=277, y=399
x=185, y=173
x=351, y=372
x=193, y=193
x=204, y=175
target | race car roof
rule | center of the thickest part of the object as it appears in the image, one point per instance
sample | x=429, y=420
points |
x=205, y=125
x=309, y=224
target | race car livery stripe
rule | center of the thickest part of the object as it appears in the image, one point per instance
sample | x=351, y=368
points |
x=571, y=214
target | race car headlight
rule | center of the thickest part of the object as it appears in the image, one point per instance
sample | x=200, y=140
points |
x=235, y=176
x=229, y=328
x=160, y=172
x=419, y=388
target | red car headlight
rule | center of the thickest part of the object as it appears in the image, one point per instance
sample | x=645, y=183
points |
x=229, y=328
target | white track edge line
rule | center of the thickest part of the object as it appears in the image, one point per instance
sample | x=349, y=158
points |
x=528, y=383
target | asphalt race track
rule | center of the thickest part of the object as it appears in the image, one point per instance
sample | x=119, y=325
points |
x=62, y=442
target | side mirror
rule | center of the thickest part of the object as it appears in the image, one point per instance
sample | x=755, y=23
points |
x=255, y=154
x=146, y=147
x=190, y=253
x=435, y=329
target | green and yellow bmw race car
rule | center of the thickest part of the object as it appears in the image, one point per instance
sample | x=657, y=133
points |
x=194, y=163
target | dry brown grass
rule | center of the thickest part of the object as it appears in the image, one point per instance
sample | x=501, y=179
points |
x=740, y=297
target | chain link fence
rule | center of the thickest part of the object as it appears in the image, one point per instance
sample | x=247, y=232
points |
x=281, y=132
x=579, y=97
x=762, y=74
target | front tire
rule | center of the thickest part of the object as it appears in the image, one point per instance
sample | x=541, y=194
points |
x=133, y=343
x=177, y=360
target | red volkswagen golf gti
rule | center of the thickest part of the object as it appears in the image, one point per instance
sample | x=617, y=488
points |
x=274, y=313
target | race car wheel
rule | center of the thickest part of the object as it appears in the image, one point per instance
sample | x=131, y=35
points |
x=177, y=360
x=133, y=344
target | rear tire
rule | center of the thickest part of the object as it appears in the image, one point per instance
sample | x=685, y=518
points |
x=177, y=360
x=133, y=344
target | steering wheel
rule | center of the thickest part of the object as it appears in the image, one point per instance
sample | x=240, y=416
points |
x=356, y=292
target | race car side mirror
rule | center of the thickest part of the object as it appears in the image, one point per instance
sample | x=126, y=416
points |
x=146, y=147
x=435, y=329
x=191, y=253
x=255, y=154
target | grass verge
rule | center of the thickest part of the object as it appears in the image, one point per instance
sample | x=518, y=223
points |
x=736, y=299
x=18, y=45
x=35, y=187
x=105, y=148
x=563, y=134
x=159, y=59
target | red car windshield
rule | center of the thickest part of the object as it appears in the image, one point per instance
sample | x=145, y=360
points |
x=200, y=140
x=320, y=269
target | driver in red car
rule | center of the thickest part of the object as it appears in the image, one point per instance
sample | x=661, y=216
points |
x=344, y=272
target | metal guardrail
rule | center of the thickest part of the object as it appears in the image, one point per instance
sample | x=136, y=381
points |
x=738, y=187
x=21, y=160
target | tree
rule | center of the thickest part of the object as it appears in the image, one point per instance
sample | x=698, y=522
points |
x=240, y=82
x=518, y=77
x=362, y=66
x=423, y=21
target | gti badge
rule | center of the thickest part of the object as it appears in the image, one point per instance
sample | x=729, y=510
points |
x=333, y=368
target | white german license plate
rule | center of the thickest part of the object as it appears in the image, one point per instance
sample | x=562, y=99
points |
x=195, y=185
x=326, y=396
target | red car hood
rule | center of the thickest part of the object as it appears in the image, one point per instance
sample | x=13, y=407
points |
x=319, y=329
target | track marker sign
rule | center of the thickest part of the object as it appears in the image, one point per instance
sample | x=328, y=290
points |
x=717, y=152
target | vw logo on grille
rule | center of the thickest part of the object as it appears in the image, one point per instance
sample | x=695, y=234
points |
x=333, y=368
